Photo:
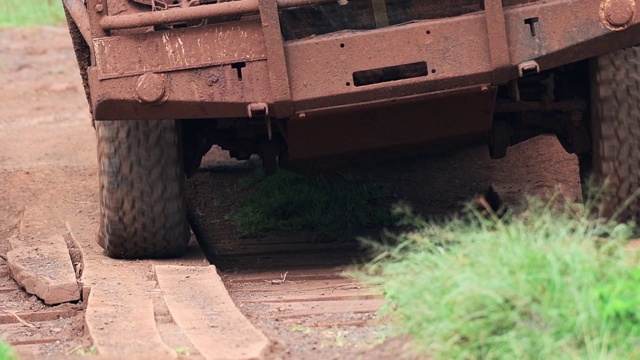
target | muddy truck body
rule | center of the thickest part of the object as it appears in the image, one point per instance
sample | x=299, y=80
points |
x=320, y=83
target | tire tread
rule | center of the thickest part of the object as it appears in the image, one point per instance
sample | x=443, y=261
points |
x=142, y=202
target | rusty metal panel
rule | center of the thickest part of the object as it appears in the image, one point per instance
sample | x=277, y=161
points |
x=200, y=93
x=558, y=26
x=456, y=52
x=386, y=126
x=321, y=68
x=179, y=49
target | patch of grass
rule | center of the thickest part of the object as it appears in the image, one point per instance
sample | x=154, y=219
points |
x=27, y=13
x=301, y=328
x=336, y=338
x=6, y=352
x=332, y=208
x=182, y=351
x=547, y=284
x=90, y=351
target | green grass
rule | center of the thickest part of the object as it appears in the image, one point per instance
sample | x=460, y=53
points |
x=27, y=13
x=331, y=208
x=90, y=351
x=541, y=285
x=6, y=352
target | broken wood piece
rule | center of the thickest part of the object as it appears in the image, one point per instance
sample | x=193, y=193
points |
x=45, y=270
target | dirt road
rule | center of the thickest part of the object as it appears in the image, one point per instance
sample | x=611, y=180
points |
x=48, y=177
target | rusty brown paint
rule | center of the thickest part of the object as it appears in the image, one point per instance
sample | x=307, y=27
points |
x=496, y=34
x=141, y=19
x=151, y=88
x=217, y=70
x=616, y=14
x=180, y=49
x=217, y=10
x=319, y=70
x=389, y=126
x=276, y=61
x=190, y=94
x=79, y=14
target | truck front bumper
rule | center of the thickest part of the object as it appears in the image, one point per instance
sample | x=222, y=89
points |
x=224, y=70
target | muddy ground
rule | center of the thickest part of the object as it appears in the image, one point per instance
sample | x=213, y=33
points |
x=48, y=185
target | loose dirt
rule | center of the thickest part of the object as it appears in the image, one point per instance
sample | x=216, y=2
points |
x=49, y=182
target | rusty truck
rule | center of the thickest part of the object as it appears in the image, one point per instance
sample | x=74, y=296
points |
x=321, y=82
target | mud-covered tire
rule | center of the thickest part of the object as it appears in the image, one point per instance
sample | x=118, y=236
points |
x=615, y=123
x=142, y=202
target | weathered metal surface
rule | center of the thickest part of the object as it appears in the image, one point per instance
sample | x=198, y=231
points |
x=566, y=31
x=95, y=16
x=141, y=19
x=321, y=69
x=79, y=14
x=151, y=88
x=190, y=94
x=350, y=80
x=302, y=22
x=276, y=61
x=390, y=127
x=616, y=14
x=497, y=36
x=180, y=49
x=240, y=7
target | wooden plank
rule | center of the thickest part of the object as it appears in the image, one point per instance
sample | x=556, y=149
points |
x=47, y=315
x=122, y=323
x=201, y=306
x=45, y=270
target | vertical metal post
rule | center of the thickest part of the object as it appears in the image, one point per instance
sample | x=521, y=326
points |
x=498, y=44
x=276, y=60
x=97, y=9
x=380, y=14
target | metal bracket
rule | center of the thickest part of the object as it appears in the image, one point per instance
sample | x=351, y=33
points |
x=528, y=67
x=276, y=59
x=258, y=110
x=261, y=111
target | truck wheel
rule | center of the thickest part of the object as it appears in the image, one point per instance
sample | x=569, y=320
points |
x=615, y=122
x=142, y=202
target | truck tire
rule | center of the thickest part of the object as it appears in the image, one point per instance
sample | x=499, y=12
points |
x=615, y=130
x=142, y=202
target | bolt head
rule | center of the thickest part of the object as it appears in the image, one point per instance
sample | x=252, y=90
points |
x=619, y=13
x=151, y=87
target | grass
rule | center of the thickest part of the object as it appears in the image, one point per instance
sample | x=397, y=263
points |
x=28, y=13
x=6, y=352
x=541, y=285
x=182, y=351
x=90, y=351
x=331, y=208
